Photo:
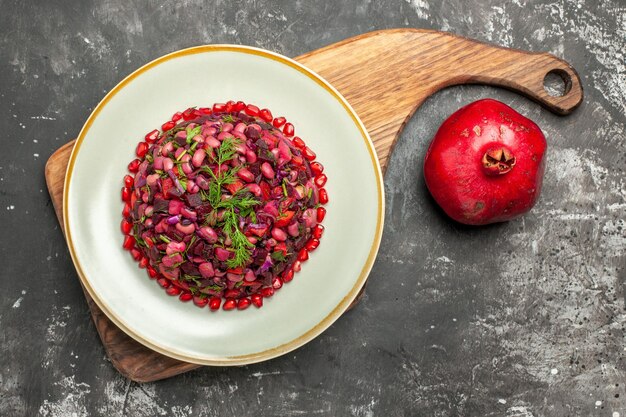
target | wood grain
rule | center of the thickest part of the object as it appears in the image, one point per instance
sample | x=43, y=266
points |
x=385, y=76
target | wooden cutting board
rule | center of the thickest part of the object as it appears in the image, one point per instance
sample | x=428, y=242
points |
x=385, y=76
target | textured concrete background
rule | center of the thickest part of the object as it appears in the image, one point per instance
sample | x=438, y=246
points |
x=520, y=319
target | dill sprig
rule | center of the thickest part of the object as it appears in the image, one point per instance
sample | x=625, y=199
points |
x=233, y=205
x=240, y=242
x=226, y=152
x=192, y=132
x=228, y=118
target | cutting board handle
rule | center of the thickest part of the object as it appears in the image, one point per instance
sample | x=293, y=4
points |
x=386, y=75
x=523, y=72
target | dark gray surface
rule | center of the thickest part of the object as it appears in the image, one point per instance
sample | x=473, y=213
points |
x=520, y=319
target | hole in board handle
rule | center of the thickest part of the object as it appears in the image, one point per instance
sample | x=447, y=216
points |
x=557, y=83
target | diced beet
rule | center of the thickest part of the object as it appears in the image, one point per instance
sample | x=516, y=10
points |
x=190, y=269
x=194, y=200
x=160, y=205
x=252, y=133
x=245, y=118
x=173, y=234
x=256, y=171
x=203, y=209
x=154, y=253
x=198, y=248
x=261, y=145
x=180, y=140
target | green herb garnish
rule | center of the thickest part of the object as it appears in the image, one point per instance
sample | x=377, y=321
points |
x=140, y=242
x=240, y=243
x=278, y=256
x=191, y=242
x=193, y=132
x=237, y=203
x=228, y=118
x=284, y=187
x=195, y=279
x=204, y=195
x=214, y=287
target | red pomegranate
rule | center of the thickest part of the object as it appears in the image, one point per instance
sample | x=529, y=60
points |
x=485, y=164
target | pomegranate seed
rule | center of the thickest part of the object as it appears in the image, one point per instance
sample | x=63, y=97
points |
x=164, y=282
x=266, y=115
x=142, y=149
x=243, y=303
x=312, y=244
x=173, y=290
x=257, y=300
x=143, y=262
x=297, y=266
x=126, y=194
x=177, y=116
x=135, y=254
x=126, y=210
x=128, y=181
x=152, y=272
x=229, y=106
x=167, y=126
x=252, y=110
x=303, y=255
x=232, y=293
x=298, y=142
x=267, y=292
x=317, y=168
x=219, y=107
x=239, y=106
x=202, y=301
x=288, y=129
x=151, y=137
x=321, y=213
x=133, y=198
x=320, y=180
x=183, y=286
x=214, y=303
x=323, y=196
x=279, y=121
x=133, y=166
x=205, y=110
x=230, y=304
x=308, y=154
x=185, y=296
x=318, y=231
x=189, y=114
x=288, y=276
x=129, y=242
x=277, y=283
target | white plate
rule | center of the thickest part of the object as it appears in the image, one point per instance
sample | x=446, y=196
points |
x=328, y=282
